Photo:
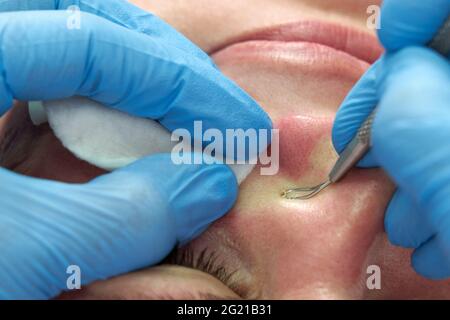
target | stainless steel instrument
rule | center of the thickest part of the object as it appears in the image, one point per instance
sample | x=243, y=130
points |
x=361, y=143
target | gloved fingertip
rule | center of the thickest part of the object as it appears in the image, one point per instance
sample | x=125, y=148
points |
x=196, y=193
x=406, y=23
x=405, y=223
x=368, y=161
x=430, y=261
x=212, y=191
x=356, y=107
x=253, y=118
x=410, y=66
x=266, y=124
x=394, y=221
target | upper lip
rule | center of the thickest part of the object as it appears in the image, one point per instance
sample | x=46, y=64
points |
x=359, y=44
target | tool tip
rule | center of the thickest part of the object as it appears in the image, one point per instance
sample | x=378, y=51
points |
x=304, y=193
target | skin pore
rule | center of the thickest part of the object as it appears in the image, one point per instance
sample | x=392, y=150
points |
x=266, y=247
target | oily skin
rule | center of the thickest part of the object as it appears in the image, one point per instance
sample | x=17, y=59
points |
x=280, y=249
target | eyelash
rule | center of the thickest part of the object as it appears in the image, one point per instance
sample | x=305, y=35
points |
x=206, y=261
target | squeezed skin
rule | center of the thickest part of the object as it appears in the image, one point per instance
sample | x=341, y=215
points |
x=272, y=247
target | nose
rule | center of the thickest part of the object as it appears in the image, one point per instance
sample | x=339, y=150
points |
x=319, y=248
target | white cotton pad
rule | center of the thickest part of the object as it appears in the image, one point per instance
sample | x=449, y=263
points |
x=110, y=139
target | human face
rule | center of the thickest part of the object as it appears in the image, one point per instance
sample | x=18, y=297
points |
x=267, y=246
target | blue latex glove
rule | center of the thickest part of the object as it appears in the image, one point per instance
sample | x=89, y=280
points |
x=132, y=61
x=411, y=132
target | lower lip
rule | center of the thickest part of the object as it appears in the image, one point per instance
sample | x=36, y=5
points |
x=293, y=56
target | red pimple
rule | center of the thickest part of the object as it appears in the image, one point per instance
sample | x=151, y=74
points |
x=298, y=138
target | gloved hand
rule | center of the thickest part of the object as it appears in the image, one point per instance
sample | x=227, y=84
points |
x=411, y=131
x=132, y=61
